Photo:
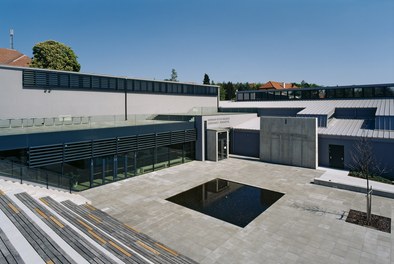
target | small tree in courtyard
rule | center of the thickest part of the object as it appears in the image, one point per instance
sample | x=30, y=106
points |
x=365, y=165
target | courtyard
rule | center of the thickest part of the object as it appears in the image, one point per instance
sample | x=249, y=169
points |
x=307, y=225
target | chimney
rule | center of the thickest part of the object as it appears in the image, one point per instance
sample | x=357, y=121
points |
x=284, y=85
x=11, y=39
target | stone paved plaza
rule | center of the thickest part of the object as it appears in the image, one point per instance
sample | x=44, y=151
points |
x=307, y=225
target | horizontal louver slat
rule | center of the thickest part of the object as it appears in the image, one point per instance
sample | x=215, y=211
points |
x=54, y=154
x=146, y=141
x=42, y=79
x=127, y=144
x=163, y=139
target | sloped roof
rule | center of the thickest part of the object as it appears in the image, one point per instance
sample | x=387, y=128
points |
x=277, y=85
x=13, y=58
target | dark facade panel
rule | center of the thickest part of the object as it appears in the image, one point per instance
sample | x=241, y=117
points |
x=245, y=142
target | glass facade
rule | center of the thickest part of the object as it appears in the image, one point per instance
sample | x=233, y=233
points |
x=319, y=93
x=83, y=174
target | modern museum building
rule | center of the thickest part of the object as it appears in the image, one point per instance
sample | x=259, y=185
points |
x=76, y=131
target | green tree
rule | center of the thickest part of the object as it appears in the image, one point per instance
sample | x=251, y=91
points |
x=206, y=79
x=54, y=55
x=174, y=76
x=304, y=84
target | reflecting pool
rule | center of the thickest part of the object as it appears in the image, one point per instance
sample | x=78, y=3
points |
x=229, y=201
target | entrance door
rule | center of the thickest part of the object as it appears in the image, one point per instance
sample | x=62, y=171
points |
x=222, y=145
x=336, y=156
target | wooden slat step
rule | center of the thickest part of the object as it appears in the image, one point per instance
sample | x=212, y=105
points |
x=88, y=251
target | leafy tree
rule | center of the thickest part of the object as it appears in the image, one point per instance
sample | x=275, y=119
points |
x=304, y=84
x=54, y=55
x=206, y=79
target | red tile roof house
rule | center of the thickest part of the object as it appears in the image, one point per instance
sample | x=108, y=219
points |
x=13, y=58
x=277, y=85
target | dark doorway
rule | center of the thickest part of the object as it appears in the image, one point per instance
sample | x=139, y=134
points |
x=336, y=156
x=222, y=145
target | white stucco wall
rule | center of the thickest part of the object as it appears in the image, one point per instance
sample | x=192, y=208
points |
x=16, y=102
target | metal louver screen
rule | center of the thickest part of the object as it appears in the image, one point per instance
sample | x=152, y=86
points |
x=127, y=144
x=45, y=155
x=163, y=139
x=177, y=137
x=54, y=154
x=42, y=79
x=146, y=141
x=104, y=147
x=77, y=151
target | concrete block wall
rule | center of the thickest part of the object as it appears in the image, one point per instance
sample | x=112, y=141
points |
x=289, y=141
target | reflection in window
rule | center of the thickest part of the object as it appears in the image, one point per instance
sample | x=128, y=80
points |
x=297, y=95
x=390, y=91
x=314, y=94
x=322, y=94
x=358, y=92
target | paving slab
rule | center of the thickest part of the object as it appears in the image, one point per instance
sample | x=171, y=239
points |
x=307, y=225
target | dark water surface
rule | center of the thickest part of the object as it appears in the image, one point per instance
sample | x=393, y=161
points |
x=232, y=202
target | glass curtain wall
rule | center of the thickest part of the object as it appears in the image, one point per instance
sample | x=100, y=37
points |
x=145, y=161
x=176, y=154
x=162, y=158
x=87, y=173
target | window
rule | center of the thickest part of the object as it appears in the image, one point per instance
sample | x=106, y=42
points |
x=162, y=158
x=104, y=83
x=390, y=91
x=156, y=87
x=339, y=93
x=358, y=92
x=322, y=94
x=145, y=160
x=305, y=94
x=379, y=91
x=144, y=86
x=330, y=93
x=176, y=154
x=314, y=94
x=137, y=85
x=348, y=92
x=368, y=92
x=297, y=95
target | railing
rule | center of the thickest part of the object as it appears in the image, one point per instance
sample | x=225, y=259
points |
x=20, y=172
x=66, y=122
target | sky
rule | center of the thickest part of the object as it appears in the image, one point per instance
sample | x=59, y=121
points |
x=327, y=42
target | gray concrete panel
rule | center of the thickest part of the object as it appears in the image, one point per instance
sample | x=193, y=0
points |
x=290, y=141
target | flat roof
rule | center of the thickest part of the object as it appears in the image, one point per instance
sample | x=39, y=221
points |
x=384, y=106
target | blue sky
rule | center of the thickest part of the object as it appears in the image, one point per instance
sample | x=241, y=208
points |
x=329, y=42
